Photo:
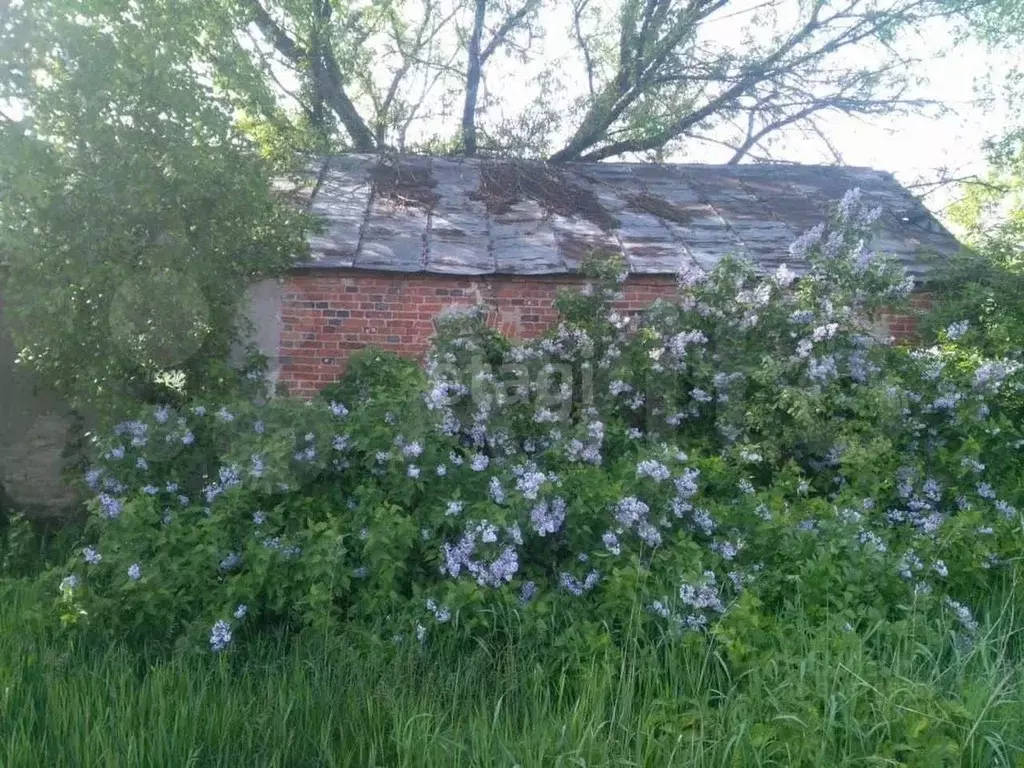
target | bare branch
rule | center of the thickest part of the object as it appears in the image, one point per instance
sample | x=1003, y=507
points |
x=577, y=12
x=508, y=26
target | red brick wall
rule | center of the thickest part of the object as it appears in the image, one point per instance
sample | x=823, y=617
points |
x=903, y=327
x=326, y=316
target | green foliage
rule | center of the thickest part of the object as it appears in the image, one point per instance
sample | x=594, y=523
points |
x=373, y=374
x=685, y=470
x=984, y=286
x=27, y=547
x=133, y=214
x=906, y=694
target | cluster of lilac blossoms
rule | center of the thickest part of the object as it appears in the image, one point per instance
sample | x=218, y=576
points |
x=540, y=475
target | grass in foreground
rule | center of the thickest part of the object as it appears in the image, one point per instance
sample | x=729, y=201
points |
x=820, y=699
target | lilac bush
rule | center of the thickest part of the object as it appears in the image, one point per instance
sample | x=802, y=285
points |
x=701, y=460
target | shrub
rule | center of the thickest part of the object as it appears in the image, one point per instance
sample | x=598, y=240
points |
x=375, y=373
x=687, y=468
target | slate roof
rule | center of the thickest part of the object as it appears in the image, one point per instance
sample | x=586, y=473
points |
x=469, y=216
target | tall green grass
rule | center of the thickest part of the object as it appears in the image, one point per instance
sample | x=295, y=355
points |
x=896, y=696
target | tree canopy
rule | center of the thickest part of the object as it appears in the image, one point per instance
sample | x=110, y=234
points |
x=133, y=213
x=572, y=79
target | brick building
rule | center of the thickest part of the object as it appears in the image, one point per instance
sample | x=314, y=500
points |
x=405, y=237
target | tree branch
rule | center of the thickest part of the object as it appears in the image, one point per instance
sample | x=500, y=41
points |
x=509, y=25
x=473, y=79
x=328, y=80
x=477, y=56
x=577, y=12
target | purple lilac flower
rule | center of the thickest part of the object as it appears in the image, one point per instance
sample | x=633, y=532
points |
x=823, y=332
x=963, y=614
x=91, y=556
x=92, y=478
x=527, y=592
x=116, y=453
x=784, y=276
x=872, y=538
x=412, y=471
x=703, y=595
x=220, y=636
x=955, y=330
x=576, y=587
x=496, y=492
x=225, y=415
x=135, y=572
x=650, y=535
x=68, y=583
x=821, y=370
x=259, y=428
x=990, y=374
x=150, y=490
x=659, y=608
x=257, y=467
x=188, y=438
x=700, y=396
x=833, y=245
x=110, y=506
x=230, y=563
x=972, y=464
x=678, y=344
x=799, y=247
x=630, y=511
x=141, y=463
x=441, y=613
x=515, y=533
x=338, y=409
x=529, y=482
x=241, y=610
x=611, y=543
x=653, y=469
x=480, y=462
x=547, y=517
x=726, y=549
x=1008, y=511
x=500, y=571
x=909, y=563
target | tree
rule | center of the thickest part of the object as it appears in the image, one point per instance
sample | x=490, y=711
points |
x=645, y=76
x=133, y=214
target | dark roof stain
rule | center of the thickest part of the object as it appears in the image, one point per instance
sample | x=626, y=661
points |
x=469, y=216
